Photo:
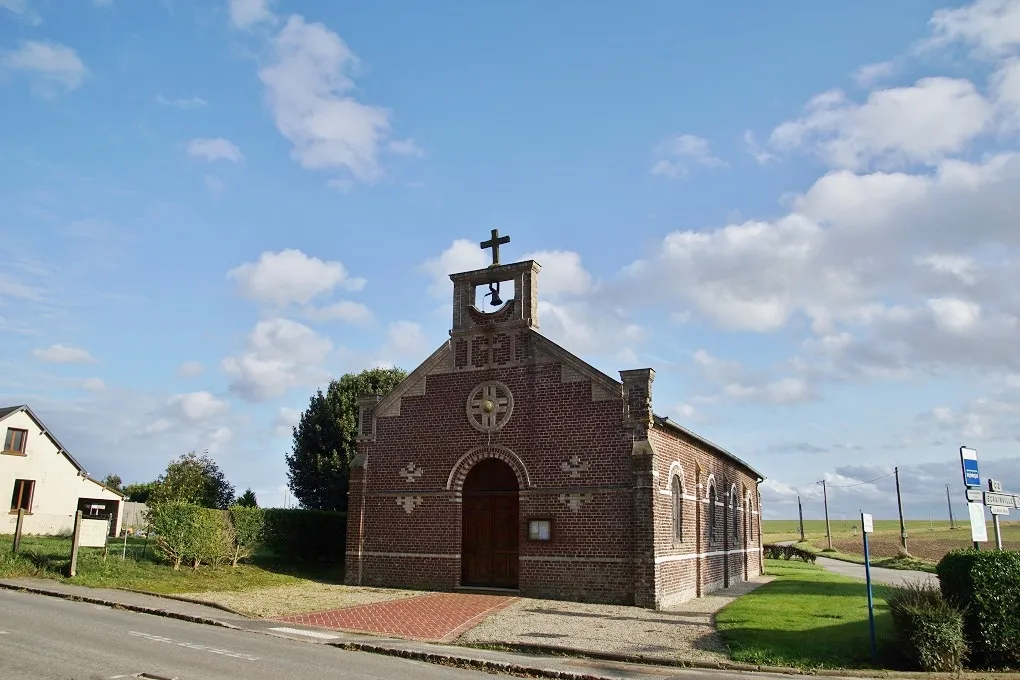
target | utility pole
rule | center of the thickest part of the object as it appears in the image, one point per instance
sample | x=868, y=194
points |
x=800, y=513
x=899, y=505
x=952, y=523
x=828, y=533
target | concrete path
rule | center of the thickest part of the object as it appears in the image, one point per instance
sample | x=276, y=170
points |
x=893, y=577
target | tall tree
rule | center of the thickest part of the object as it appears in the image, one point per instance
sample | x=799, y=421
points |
x=139, y=492
x=247, y=499
x=318, y=466
x=112, y=481
x=194, y=479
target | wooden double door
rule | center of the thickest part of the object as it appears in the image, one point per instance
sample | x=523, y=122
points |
x=490, y=534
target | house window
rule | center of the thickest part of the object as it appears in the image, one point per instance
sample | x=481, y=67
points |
x=539, y=530
x=734, y=507
x=678, y=511
x=712, y=528
x=15, y=440
x=21, y=499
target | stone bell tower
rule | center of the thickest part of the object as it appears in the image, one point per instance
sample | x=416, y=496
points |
x=486, y=339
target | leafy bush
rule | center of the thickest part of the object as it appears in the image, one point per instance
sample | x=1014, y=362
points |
x=248, y=525
x=212, y=538
x=989, y=582
x=786, y=552
x=930, y=628
x=306, y=535
x=173, y=524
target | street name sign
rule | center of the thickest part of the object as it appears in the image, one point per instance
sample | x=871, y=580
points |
x=975, y=495
x=998, y=510
x=1004, y=500
x=978, y=530
x=968, y=459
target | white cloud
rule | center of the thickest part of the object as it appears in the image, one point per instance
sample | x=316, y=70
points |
x=186, y=103
x=215, y=185
x=992, y=26
x=307, y=84
x=461, y=256
x=16, y=6
x=591, y=331
x=761, y=156
x=190, y=369
x=157, y=426
x=197, y=406
x=62, y=354
x=562, y=272
x=215, y=149
x=954, y=315
x=677, y=153
x=870, y=74
x=280, y=354
x=286, y=418
x=924, y=123
x=93, y=385
x=344, y=310
x=961, y=267
x=245, y=14
x=406, y=147
x=290, y=276
x=55, y=67
x=405, y=340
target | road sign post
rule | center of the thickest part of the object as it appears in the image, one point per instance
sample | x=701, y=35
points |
x=868, y=526
x=998, y=504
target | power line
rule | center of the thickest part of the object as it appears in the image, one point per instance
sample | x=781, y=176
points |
x=850, y=486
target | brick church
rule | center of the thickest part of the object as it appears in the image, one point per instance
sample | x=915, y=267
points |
x=505, y=462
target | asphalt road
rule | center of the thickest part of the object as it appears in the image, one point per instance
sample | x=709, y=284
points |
x=894, y=577
x=43, y=638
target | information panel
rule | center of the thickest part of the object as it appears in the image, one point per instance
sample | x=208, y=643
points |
x=978, y=530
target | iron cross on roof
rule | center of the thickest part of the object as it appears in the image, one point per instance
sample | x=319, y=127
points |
x=495, y=242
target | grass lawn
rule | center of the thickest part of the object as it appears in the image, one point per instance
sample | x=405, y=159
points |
x=806, y=618
x=49, y=557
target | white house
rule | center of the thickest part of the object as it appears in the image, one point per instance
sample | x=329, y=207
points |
x=44, y=479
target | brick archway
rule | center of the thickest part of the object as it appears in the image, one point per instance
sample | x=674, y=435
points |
x=460, y=470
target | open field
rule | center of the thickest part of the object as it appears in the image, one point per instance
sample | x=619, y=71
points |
x=925, y=541
x=807, y=618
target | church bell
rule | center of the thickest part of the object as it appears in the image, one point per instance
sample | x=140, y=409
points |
x=495, y=301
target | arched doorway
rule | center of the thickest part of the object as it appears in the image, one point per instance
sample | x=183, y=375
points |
x=489, y=535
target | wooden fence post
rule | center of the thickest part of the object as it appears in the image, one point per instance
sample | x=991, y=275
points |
x=17, y=530
x=74, y=544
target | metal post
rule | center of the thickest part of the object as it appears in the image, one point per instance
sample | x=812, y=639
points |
x=123, y=555
x=949, y=501
x=828, y=533
x=800, y=512
x=17, y=530
x=998, y=534
x=899, y=505
x=871, y=601
x=74, y=544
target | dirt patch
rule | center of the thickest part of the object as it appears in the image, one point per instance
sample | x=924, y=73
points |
x=267, y=603
x=685, y=633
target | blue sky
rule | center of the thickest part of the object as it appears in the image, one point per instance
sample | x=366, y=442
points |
x=801, y=214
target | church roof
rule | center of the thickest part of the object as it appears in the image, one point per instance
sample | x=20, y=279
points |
x=669, y=424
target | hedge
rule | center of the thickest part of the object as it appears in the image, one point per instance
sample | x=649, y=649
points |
x=306, y=535
x=774, y=551
x=929, y=628
x=989, y=583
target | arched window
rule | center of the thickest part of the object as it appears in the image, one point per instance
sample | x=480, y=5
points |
x=749, y=518
x=735, y=516
x=712, y=524
x=676, y=490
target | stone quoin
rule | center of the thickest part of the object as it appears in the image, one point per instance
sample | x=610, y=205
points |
x=504, y=461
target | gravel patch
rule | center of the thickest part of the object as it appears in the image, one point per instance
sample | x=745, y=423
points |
x=685, y=633
x=267, y=603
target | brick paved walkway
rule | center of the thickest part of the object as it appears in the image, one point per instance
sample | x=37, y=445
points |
x=439, y=617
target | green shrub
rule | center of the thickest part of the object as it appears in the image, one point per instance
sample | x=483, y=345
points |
x=929, y=627
x=212, y=539
x=775, y=552
x=306, y=535
x=248, y=525
x=989, y=582
x=173, y=523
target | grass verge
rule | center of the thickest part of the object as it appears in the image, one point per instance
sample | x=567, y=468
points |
x=49, y=557
x=898, y=562
x=806, y=618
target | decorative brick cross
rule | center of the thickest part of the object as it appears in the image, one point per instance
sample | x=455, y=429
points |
x=410, y=472
x=409, y=503
x=574, y=466
x=574, y=500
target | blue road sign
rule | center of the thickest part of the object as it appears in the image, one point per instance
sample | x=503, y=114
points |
x=968, y=458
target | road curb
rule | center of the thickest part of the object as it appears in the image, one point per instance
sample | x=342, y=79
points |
x=189, y=600
x=118, y=605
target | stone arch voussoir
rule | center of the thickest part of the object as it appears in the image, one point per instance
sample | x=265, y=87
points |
x=460, y=470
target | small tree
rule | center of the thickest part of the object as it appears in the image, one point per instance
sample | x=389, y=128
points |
x=248, y=524
x=247, y=499
x=318, y=466
x=139, y=492
x=112, y=481
x=194, y=479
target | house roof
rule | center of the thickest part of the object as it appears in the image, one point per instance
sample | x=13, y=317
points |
x=7, y=411
x=669, y=424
